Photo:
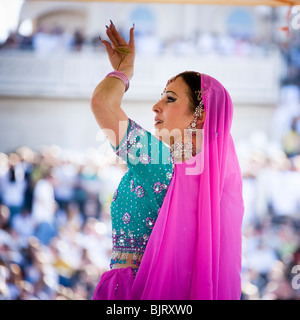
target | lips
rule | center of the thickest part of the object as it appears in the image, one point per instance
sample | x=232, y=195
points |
x=157, y=121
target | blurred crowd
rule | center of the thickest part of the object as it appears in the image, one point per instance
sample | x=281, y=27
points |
x=290, y=52
x=55, y=230
x=271, y=227
x=45, y=39
x=271, y=192
x=56, y=39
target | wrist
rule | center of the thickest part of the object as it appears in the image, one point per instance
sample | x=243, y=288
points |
x=128, y=72
x=122, y=76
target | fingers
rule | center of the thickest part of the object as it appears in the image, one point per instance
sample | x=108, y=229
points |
x=108, y=47
x=131, y=39
x=116, y=39
x=117, y=36
x=114, y=36
x=111, y=37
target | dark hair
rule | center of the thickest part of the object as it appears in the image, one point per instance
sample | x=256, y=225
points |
x=193, y=81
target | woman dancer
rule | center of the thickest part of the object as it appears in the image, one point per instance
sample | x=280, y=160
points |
x=177, y=213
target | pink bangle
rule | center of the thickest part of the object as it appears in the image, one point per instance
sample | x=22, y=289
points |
x=120, y=75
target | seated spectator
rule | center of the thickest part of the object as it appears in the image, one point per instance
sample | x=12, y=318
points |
x=23, y=224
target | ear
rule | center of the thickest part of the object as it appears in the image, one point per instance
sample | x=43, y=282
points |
x=201, y=119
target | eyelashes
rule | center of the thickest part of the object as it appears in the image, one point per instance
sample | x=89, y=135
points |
x=169, y=99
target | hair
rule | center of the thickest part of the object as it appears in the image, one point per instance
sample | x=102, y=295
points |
x=193, y=81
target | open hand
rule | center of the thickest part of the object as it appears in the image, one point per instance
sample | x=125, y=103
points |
x=121, y=54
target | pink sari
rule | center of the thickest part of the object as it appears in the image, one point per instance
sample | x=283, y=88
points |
x=194, y=251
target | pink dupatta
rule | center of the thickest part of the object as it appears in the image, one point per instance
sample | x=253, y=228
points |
x=194, y=251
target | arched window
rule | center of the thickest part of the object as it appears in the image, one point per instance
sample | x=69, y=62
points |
x=145, y=18
x=240, y=23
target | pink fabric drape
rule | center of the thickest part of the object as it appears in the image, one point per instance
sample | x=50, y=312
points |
x=194, y=251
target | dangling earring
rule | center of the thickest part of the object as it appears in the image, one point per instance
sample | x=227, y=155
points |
x=193, y=126
x=197, y=114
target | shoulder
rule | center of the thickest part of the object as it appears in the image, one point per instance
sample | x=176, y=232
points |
x=139, y=146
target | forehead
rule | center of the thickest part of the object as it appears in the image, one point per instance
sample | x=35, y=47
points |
x=178, y=86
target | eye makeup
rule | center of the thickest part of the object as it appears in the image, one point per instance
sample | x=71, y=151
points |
x=169, y=96
x=170, y=99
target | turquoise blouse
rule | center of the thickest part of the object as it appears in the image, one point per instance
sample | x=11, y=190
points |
x=140, y=194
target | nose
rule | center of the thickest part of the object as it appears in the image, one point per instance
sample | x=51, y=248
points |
x=156, y=107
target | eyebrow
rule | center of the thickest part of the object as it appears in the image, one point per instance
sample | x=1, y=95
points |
x=171, y=92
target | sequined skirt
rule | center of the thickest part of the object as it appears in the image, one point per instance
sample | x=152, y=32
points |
x=115, y=284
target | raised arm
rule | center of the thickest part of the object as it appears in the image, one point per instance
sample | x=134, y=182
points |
x=107, y=97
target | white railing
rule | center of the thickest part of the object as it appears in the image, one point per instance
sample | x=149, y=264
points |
x=249, y=80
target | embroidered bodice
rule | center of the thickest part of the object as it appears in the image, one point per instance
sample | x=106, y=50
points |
x=140, y=194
